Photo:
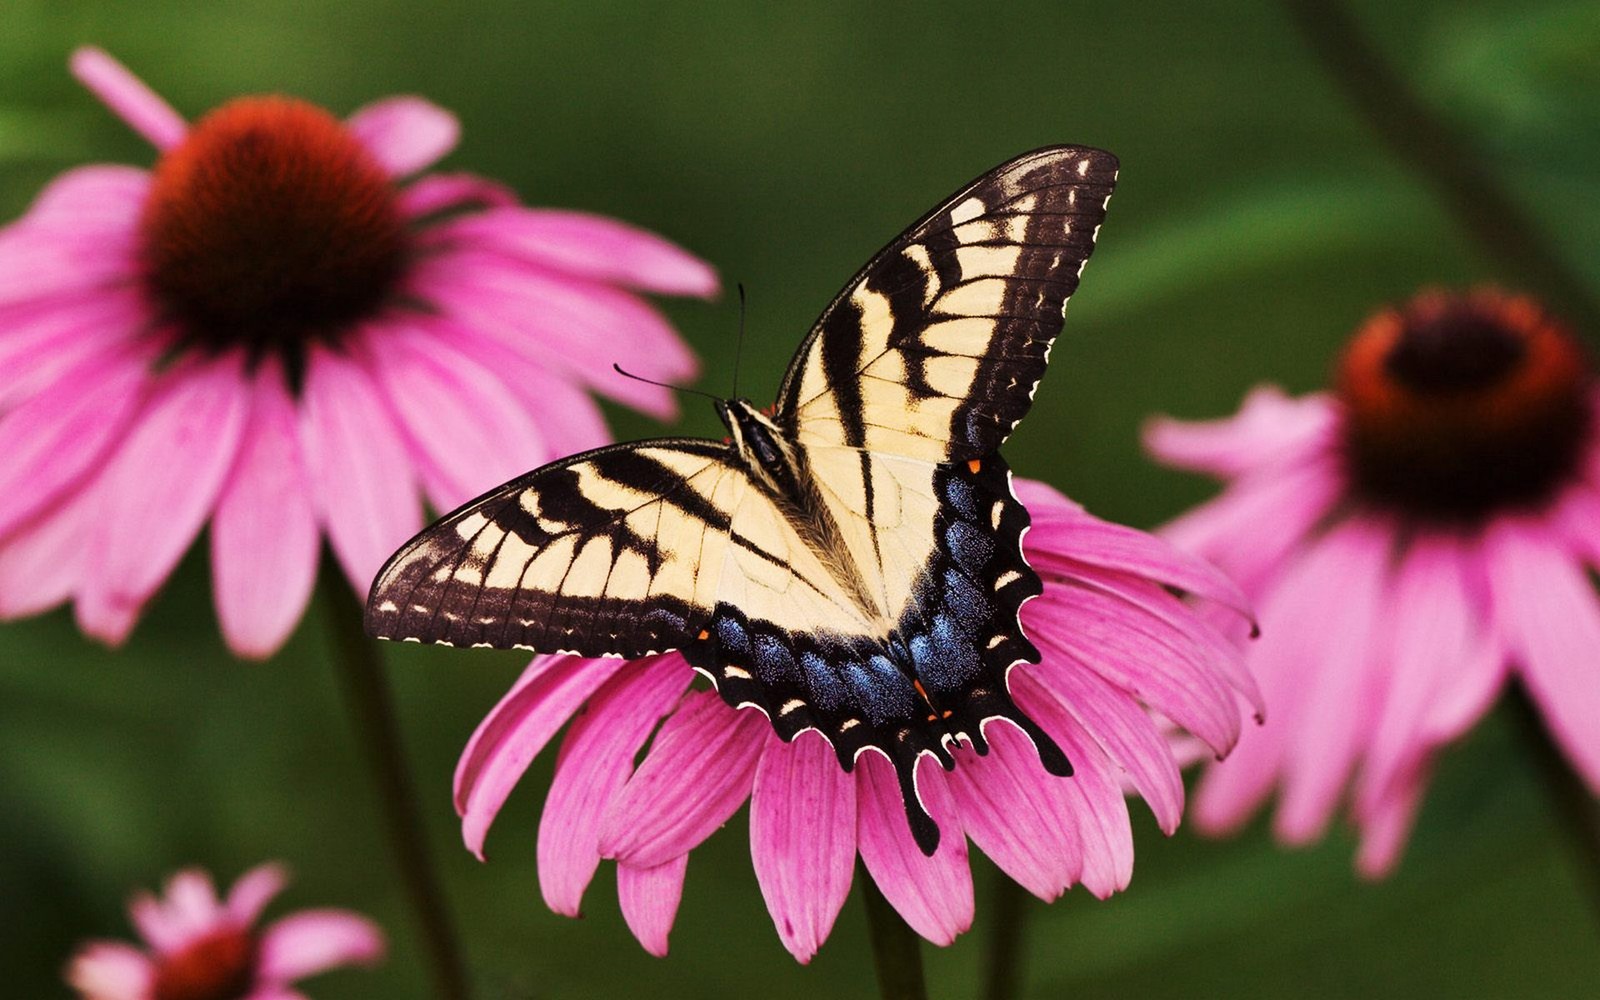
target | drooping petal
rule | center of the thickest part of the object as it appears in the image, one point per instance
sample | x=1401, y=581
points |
x=1547, y=609
x=264, y=536
x=361, y=477
x=1013, y=809
x=312, y=941
x=53, y=439
x=933, y=894
x=1269, y=426
x=40, y=565
x=111, y=970
x=803, y=839
x=462, y=419
x=128, y=97
x=588, y=246
x=43, y=343
x=649, y=899
x=253, y=891
x=437, y=193
x=698, y=772
x=405, y=134
x=159, y=488
x=1386, y=825
x=596, y=759
x=515, y=731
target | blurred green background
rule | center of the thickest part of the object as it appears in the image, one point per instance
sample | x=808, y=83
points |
x=1255, y=224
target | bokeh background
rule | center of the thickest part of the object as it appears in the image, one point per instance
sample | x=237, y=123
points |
x=1255, y=224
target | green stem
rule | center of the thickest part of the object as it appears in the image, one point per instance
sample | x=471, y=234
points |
x=372, y=714
x=1002, y=971
x=1459, y=175
x=896, y=949
x=1571, y=800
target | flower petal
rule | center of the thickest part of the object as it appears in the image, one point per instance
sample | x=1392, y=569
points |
x=314, y=941
x=547, y=694
x=698, y=772
x=405, y=134
x=463, y=421
x=437, y=193
x=158, y=490
x=253, y=891
x=1547, y=609
x=803, y=839
x=264, y=537
x=587, y=246
x=933, y=895
x=128, y=97
x=1268, y=426
x=1386, y=826
x=91, y=203
x=361, y=477
x=42, y=343
x=111, y=970
x=41, y=565
x=596, y=759
x=649, y=898
x=54, y=439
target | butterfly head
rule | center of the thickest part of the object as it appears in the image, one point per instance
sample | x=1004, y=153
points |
x=760, y=442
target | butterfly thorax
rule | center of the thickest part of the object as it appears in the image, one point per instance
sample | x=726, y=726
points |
x=764, y=447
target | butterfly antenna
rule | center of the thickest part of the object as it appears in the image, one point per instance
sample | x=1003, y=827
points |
x=738, y=352
x=665, y=385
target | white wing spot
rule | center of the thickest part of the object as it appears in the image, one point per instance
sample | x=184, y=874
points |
x=732, y=671
x=792, y=705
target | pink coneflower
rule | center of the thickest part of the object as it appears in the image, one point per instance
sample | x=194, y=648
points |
x=273, y=331
x=1412, y=542
x=201, y=948
x=1116, y=642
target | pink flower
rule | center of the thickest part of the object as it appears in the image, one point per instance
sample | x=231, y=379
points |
x=1413, y=542
x=273, y=330
x=1116, y=642
x=202, y=948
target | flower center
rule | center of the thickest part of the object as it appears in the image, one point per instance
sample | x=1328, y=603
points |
x=219, y=966
x=268, y=227
x=1461, y=405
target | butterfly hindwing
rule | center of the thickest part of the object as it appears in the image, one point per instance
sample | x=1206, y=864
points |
x=613, y=552
x=935, y=348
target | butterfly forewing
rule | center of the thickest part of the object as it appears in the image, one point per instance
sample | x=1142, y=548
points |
x=614, y=552
x=935, y=349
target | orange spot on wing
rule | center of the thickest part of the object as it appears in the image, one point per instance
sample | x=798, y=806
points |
x=704, y=635
x=975, y=465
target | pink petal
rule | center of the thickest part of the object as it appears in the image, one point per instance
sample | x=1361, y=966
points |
x=463, y=421
x=158, y=490
x=437, y=193
x=405, y=134
x=549, y=692
x=111, y=970
x=128, y=97
x=54, y=439
x=254, y=890
x=1018, y=813
x=1268, y=427
x=1063, y=531
x=803, y=839
x=1127, y=734
x=649, y=898
x=276, y=993
x=587, y=246
x=1093, y=794
x=314, y=941
x=42, y=564
x=189, y=908
x=596, y=759
x=42, y=343
x=933, y=895
x=697, y=774
x=1548, y=611
x=95, y=202
x=361, y=475
x=1387, y=826
x=264, y=537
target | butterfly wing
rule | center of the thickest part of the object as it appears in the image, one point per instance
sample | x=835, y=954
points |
x=614, y=552
x=935, y=348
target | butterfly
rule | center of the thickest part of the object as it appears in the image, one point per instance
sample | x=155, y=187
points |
x=850, y=559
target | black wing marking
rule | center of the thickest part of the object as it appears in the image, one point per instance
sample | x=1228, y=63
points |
x=934, y=349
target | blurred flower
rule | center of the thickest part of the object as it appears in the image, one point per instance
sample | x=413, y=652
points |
x=202, y=948
x=1412, y=542
x=272, y=331
x=1115, y=641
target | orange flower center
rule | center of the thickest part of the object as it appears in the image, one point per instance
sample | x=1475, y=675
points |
x=1458, y=406
x=268, y=227
x=219, y=966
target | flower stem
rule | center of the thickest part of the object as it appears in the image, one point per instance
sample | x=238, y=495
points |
x=1459, y=175
x=371, y=707
x=1570, y=798
x=896, y=949
x=1002, y=969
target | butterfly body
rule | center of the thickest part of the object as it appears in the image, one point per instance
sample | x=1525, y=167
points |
x=849, y=561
